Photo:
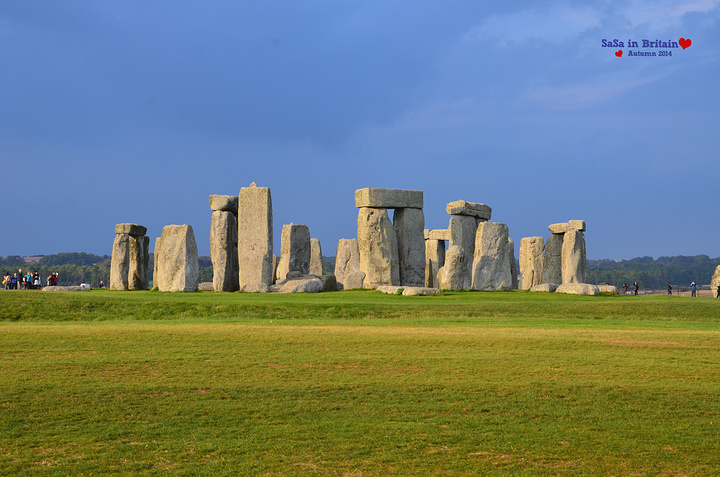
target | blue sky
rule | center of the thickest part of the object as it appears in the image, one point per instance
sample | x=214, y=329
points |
x=137, y=111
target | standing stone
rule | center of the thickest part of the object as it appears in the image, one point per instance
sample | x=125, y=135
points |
x=176, y=259
x=491, y=267
x=462, y=233
x=573, y=257
x=224, y=250
x=377, y=244
x=451, y=276
x=715, y=282
x=409, y=225
x=552, y=260
x=255, y=235
x=138, y=262
x=294, y=250
x=434, y=260
x=120, y=262
x=511, y=259
x=531, y=261
x=347, y=263
x=316, y=263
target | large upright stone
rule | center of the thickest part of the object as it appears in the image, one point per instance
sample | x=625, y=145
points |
x=255, y=235
x=434, y=260
x=531, y=261
x=552, y=260
x=491, y=265
x=715, y=282
x=573, y=257
x=377, y=244
x=294, y=250
x=120, y=262
x=138, y=256
x=226, y=203
x=513, y=266
x=409, y=224
x=316, y=262
x=176, y=259
x=451, y=276
x=462, y=234
x=474, y=209
x=224, y=249
x=347, y=264
x=388, y=198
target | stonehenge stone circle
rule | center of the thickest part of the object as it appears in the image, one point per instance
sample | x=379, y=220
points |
x=176, y=259
x=316, y=262
x=552, y=260
x=388, y=198
x=491, y=264
x=531, y=261
x=451, y=276
x=120, y=262
x=224, y=250
x=377, y=244
x=462, y=234
x=294, y=250
x=409, y=224
x=347, y=263
x=473, y=209
x=573, y=257
x=130, y=258
x=255, y=236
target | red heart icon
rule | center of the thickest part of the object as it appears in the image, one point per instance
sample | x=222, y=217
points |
x=618, y=53
x=685, y=43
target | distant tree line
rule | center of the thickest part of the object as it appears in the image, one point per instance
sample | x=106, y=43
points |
x=653, y=273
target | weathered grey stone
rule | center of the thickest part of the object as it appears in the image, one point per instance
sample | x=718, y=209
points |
x=329, y=282
x=434, y=260
x=224, y=250
x=578, y=289
x=130, y=229
x=72, y=288
x=206, y=286
x=155, y=262
x=451, y=276
x=120, y=262
x=388, y=198
x=474, y=209
x=558, y=228
x=491, y=265
x=576, y=225
x=138, y=258
x=302, y=285
x=715, y=282
x=420, y=291
x=377, y=244
x=573, y=257
x=354, y=280
x=176, y=259
x=316, y=262
x=347, y=261
x=255, y=235
x=390, y=289
x=294, y=250
x=409, y=227
x=552, y=260
x=531, y=261
x=226, y=203
x=256, y=288
x=513, y=266
x=274, y=265
x=544, y=287
x=437, y=234
x=607, y=289
x=462, y=233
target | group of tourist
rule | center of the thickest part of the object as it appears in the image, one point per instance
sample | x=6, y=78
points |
x=28, y=281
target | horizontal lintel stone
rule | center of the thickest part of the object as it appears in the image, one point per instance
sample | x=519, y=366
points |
x=437, y=234
x=474, y=209
x=228, y=203
x=131, y=229
x=577, y=225
x=558, y=228
x=388, y=198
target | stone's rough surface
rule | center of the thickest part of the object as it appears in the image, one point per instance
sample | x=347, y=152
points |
x=302, y=285
x=558, y=228
x=377, y=244
x=256, y=288
x=474, y=209
x=274, y=265
x=607, y=289
x=513, y=266
x=576, y=225
x=552, y=260
x=420, y=291
x=120, y=262
x=347, y=261
x=138, y=256
x=294, y=250
x=354, y=280
x=390, y=289
x=176, y=259
x=158, y=242
x=57, y=288
x=452, y=275
x=715, y=282
x=409, y=227
x=491, y=265
x=573, y=257
x=544, y=287
x=224, y=250
x=255, y=235
x=206, y=286
x=226, y=203
x=434, y=260
x=316, y=263
x=130, y=229
x=578, y=289
x=329, y=282
x=531, y=261
x=388, y=198
x=437, y=234
x=462, y=233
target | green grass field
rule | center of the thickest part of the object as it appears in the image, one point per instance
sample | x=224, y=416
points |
x=358, y=383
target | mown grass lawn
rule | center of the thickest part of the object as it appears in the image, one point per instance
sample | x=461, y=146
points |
x=358, y=383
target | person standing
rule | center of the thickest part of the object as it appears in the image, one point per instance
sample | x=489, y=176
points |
x=6, y=280
x=636, y=288
x=669, y=288
x=693, y=289
x=624, y=288
x=21, y=279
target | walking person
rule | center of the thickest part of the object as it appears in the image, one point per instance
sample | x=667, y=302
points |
x=693, y=289
x=624, y=288
x=669, y=289
x=636, y=288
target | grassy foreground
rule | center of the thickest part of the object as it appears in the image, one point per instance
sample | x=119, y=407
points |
x=358, y=383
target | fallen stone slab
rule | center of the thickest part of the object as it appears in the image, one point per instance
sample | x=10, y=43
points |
x=578, y=289
x=388, y=198
x=545, y=287
x=607, y=289
x=256, y=288
x=420, y=291
x=302, y=285
x=225, y=203
x=390, y=289
x=130, y=229
x=66, y=289
x=474, y=209
x=329, y=282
